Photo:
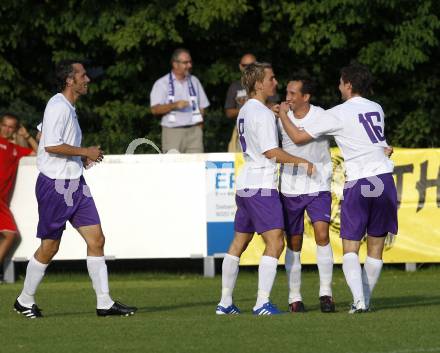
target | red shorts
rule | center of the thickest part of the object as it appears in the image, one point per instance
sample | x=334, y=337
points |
x=7, y=222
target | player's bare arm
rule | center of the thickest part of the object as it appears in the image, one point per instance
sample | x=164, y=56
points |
x=162, y=109
x=389, y=151
x=94, y=153
x=298, y=136
x=232, y=113
x=22, y=131
x=275, y=109
x=282, y=156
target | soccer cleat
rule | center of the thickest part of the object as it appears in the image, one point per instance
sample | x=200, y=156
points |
x=117, y=309
x=297, y=307
x=230, y=310
x=31, y=313
x=357, y=308
x=267, y=309
x=327, y=304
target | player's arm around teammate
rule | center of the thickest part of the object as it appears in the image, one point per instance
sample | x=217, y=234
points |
x=301, y=193
x=258, y=204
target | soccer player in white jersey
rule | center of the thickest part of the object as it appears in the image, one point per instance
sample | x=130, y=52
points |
x=258, y=204
x=300, y=193
x=63, y=195
x=369, y=205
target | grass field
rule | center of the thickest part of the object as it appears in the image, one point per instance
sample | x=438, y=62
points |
x=176, y=314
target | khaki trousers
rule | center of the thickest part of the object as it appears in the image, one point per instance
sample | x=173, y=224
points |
x=182, y=139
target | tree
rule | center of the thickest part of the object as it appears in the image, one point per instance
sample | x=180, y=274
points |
x=128, y=43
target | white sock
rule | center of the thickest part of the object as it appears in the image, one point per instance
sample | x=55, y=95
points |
x=229, y=277
x=324, y=259
x=267, y=271
x=353, y=276
x=293, y=271
x=34, y=274
x=370, y=275
x=98, y=273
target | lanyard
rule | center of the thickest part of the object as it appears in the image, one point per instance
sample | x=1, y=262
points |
x=192, y=92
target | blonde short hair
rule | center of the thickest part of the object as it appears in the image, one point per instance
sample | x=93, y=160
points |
x=252, y=74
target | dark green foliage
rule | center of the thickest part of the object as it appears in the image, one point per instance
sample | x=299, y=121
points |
x=128, y=44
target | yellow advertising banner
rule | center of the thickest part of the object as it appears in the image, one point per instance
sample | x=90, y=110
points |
x=417, y=177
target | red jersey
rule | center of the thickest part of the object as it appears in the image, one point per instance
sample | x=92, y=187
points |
x=10, y=155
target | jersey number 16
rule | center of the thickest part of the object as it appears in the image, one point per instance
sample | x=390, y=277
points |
x=375, y=132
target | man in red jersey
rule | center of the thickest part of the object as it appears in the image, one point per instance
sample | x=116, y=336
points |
x=10, y=155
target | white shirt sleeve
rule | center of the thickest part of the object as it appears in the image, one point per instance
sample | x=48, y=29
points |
x=158, y=94
x=326, y=123
x=266, y=132
x=54, y=124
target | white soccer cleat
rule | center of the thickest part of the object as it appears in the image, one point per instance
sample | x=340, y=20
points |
x=357, y=308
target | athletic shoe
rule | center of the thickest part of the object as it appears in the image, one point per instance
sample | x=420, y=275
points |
x=267, y=309
x=357, y=308
x=297, y=307
x=230, y=310
x=31, y=313
x=327, y=304
x=117, y=309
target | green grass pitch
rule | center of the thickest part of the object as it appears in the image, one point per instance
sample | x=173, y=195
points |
x=176, y=314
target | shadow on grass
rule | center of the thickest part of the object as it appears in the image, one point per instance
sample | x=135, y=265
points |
x=212, y=303
x=151, y=309
x=412, y=301
x=379, y=304
x=71, y=313
x=385, y=303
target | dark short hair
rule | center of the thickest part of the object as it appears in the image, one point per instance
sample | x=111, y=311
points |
x=63, y=71
x=10, y=116
x=360, y=78
x=176, y=54
x=308, y=84
x=252, y=74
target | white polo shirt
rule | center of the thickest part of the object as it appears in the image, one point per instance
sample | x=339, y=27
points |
x=358, y=127
x=294, y=180
x=160, y=95
x=60, y=126
x=257, y=132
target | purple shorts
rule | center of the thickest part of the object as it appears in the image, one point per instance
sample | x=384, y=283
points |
x=60, y=201
x=258, y=210
x=369, y=207
x=318, y=208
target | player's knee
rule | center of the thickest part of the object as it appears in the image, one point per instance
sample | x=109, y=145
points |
x=375, y=253
x=10, y=235
x=280, y=246
x=48, y=251
x=295, y=243
x=275, y=247
x=238, y=247
x=322, y=239
x=97, y=244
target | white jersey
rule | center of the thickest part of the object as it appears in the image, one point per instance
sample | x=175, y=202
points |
x=60, y=126
x=257, y=133
x=358, y=128
x=294, y=180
